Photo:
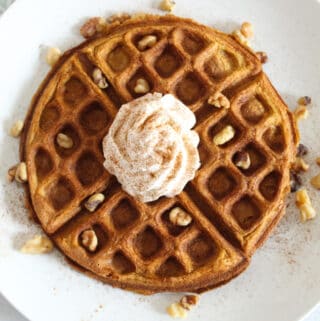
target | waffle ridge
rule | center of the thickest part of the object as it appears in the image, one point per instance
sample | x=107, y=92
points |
x=233, y=210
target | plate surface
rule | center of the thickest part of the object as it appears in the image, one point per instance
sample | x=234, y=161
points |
x=283, y=280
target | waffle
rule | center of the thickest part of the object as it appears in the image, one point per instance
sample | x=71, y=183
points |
x=233, y=210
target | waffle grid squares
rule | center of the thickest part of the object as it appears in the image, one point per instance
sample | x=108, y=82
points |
x=137, y=239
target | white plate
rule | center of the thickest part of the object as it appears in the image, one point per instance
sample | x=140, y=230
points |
x=283, y=280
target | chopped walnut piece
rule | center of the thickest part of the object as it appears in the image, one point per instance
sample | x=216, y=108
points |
x=318, y=161
x=53, y=55
x=300, y=165
x=178, y=216
x=167, y=5
x=39, y=244
x=11, y=173
x=180, y=309
x=242, y=160
x=94, y=201
x=147, y=42
x=303, y=202
x=237, y=34
x=302, y=150
x=99, y=78
x=89, y=240
x=219, y=100
x=262, y=56
x=21, y=175
x=176, y=310
x=64, y=141
x=16, y=129
x=305, y=100
x=247, y=30
x=295, y=182
x=224, y=136
x=92, y=27
x=315, y=181
x=189, y=300
x=142, y=86
x=301, y=112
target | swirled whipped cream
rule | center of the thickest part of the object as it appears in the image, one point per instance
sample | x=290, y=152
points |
x=151, y=148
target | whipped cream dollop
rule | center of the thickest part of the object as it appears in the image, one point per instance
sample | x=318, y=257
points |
x=151, y=148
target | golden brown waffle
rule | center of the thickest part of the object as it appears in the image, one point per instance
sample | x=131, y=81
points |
x=233, y=210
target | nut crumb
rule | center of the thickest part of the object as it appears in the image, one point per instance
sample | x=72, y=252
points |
x=175, y=310
x=39, y=244
x=21, y=175
x=94, y=201
x=92, y=27
x=262, y=56
x=303, y=202
x=224, y=136
x=247, y=30
x=89, y=240
x=219, y=100
x=315, y=181
x=242, y=160
x=178, y=216
x=64, y=141
x=301, y=112
x=189, y=300
x=17, y=128
x=142, y=86
x=167, y=5
x=305, y=101
x=53, y=55
x=318, y=161
x=300, y=165
x=147, y=42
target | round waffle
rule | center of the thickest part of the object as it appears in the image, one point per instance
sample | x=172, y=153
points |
x=233, y=209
